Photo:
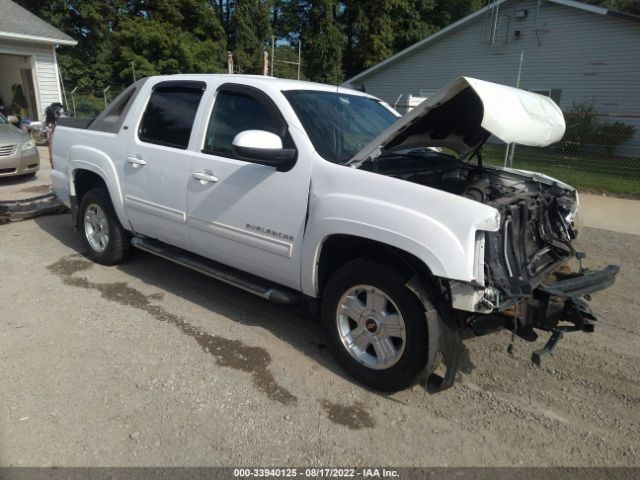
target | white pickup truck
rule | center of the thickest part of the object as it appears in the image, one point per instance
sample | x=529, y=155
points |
x=390, y=227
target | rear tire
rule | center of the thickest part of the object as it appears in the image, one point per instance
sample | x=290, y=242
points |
x=377, y=325
x=107, y=242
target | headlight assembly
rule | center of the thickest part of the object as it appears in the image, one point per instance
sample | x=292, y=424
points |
x=574, y=210
x=28, y=145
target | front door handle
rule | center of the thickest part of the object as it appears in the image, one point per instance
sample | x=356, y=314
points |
x=136, y=161
x=205, y=177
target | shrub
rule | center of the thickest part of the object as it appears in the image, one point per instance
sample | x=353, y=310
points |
x=612, y=135
x=585, y=134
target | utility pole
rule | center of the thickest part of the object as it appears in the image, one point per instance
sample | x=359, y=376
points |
x=299, y=55
x=273, y=53
x=133, y=70
x=104, y=94
x=287, y=62
x=73, y=100
x=229, y=62
x=265, y=63
x=511, y=147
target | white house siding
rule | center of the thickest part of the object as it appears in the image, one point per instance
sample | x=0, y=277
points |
x=44, y=65
x=586, y=55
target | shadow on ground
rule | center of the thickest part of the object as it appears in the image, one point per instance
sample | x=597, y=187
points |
x=21, y=180
x=294, y=325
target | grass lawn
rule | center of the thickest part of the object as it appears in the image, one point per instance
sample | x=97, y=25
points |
x=615, y=175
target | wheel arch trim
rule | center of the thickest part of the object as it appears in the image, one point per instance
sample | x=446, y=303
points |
x=104, y=169
x=312, y=250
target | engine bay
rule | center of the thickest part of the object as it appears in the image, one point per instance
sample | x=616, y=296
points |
x=437, y=170
x=535, y=229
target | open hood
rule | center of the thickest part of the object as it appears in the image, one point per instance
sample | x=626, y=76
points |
x=465, y=113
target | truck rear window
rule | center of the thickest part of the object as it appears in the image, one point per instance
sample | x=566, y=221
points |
x=112, y=118
x=169, y=116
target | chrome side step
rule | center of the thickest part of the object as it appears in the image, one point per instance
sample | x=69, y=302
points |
x=245, y=281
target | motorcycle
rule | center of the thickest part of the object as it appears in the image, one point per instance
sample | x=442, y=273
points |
x=40, y=131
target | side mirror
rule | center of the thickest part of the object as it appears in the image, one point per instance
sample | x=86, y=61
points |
x=13, y=119
x=263, y=147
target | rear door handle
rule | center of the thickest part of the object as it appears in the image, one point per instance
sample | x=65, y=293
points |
x=205, y=177
x=136, y=161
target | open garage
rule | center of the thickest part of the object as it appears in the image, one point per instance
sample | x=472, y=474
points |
x=29, y=76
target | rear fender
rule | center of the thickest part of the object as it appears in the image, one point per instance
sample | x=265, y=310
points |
x=96, y=161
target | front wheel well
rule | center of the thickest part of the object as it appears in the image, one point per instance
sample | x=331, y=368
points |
x=337, y=250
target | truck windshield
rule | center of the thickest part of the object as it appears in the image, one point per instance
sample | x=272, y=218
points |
x=339, y=125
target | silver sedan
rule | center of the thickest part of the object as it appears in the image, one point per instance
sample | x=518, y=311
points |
x=18, y=153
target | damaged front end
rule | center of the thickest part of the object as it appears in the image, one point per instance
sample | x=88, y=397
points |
x=520, y=279
x=527, y=277
x=523, y=281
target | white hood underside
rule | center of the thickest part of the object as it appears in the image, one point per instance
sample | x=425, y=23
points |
x=462, y=115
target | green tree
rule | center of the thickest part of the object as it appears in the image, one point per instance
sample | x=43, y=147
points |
x=376, y=29
x=250, y=32
x=414, y=20
x=445, y=12
x=166, y=36
x=90, y=22
x=370, y=32
x=316, y=23
x=163, y=36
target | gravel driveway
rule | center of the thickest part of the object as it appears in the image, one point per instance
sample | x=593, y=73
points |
x=152, y=364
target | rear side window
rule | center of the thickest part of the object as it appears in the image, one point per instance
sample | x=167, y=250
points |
x=170, y=113
x=111, y=119
x=235, y=112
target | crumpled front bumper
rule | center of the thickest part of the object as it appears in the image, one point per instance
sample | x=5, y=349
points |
x=557, y=307
x=584, y=283
x=30, y=207
x=560, y=302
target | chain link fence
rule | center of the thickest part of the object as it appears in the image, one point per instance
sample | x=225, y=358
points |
x=85, y=102
x=599, y=153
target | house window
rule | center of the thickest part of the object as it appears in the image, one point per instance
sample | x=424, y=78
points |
x=495, y=28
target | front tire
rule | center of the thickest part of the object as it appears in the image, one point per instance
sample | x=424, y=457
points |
x=377, y=325
x=107, y=242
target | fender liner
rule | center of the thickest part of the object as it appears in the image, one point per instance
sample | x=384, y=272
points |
x=444, y=342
